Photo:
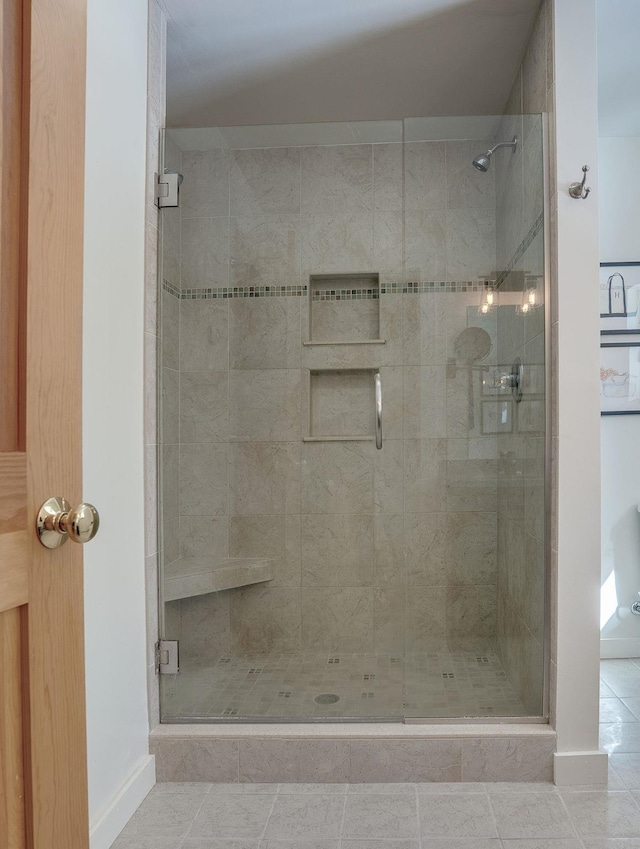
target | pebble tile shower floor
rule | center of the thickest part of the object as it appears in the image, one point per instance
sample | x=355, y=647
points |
x=440, y=683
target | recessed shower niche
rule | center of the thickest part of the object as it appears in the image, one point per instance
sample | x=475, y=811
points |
x=341, y=404
x=344, y=308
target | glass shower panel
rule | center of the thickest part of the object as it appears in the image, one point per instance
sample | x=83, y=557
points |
x=474, y=479
x=305, y=574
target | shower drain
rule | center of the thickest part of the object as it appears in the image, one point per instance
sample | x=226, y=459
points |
x=326, y=699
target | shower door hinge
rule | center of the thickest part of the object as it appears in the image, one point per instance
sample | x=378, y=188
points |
x=167, y=189
x=167, y=657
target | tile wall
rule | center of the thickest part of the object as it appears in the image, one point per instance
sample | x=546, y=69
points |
x=424, y=543
x=238, y=478
x=521, y=493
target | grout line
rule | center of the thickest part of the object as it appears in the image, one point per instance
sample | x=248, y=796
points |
x=206, y=796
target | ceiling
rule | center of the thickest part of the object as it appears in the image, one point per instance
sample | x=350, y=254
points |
x=241, y=62
x=618, y=68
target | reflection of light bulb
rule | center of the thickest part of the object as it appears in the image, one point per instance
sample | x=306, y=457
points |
x=532, y=297
x=490, y=297
x=525, y=307
x=484, y=309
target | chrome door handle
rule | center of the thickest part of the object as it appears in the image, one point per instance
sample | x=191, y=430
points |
x=57, y=522
x=377, y=382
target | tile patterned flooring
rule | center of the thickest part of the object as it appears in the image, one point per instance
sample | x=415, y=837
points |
x=438, y=683
x=414, y=816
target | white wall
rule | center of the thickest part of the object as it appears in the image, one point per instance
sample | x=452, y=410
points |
x=619, y=205
x=577, y=394
x=120, y=771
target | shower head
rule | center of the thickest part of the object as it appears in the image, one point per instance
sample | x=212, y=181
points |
x=483, y=161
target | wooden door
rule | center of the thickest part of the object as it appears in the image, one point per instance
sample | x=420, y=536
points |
x=43, y=786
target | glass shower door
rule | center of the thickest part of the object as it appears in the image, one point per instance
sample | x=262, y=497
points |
x=306, y=574
x=474, y=442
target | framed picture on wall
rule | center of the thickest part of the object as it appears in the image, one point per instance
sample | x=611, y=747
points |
x=620, y=375
x=619, y=297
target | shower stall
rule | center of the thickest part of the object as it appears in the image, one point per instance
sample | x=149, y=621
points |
x=353, y=421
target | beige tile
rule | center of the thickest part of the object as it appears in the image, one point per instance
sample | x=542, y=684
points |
x=170, y=245
x=426, y=617
x=425, y=469
x=275, y=537
x=471, y=548
x=306, y=816
x=337, y=619
x=393, y=414
x=265, y=250
x=204, y=406
x=471, y=243
x=387, y=177
x=388, y=475
x=204, y=479
x=195, y=760
x=342, y=403
x=426, y=548
x=264, y=405
x=527, y=815
x=171, y=539
x=507, y=759
x=466, y=186
x=204, y=335
x=425, y=175
x=465, y=815
x=424, y=402
x=534, y=66
x=471, y=611
x=265, y=620
x=337, y=243
x=425, y=245
x=204, y=192
x=405, y=760
x=388, y=553
x=337, y=478
x=388, y=232
x=344, y=321
x=151, y=377
x=170, y=459
x=389, y=619
x=170, y=433
x=424, y=329
x=264, y=333
x=265, y=180
x=205, y=629
x=204, y=535
x=233, y=816
x=204, y=249
x=264, y=477
x=337, y=550
x=151, y=279
x=381, y=816
x=170, y=331
x=337, y=179
x=316, y=761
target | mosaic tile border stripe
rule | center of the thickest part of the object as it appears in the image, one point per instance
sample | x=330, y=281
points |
x=226, y=292
x=344, y=295
x=410, y=288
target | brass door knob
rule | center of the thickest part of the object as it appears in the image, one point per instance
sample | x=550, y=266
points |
x=57, y=522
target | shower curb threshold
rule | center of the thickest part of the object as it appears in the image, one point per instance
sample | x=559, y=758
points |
x=353, y=753
x=344, y=730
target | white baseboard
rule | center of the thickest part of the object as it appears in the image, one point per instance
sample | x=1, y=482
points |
x=130, y=796
x=580, y=768
x=620, y=647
